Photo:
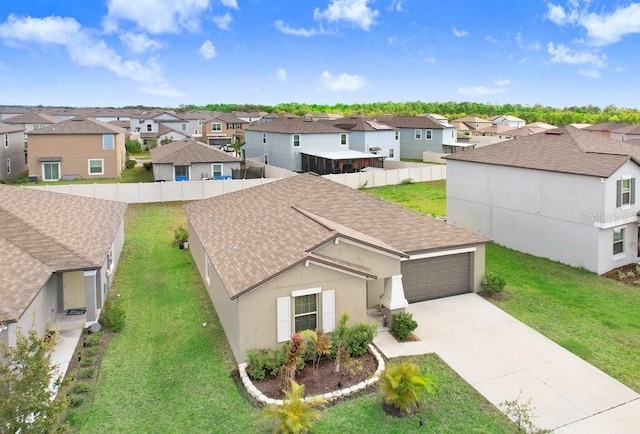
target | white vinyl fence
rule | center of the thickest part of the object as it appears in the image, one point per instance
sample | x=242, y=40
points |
x=379, y=178
x=146, y=192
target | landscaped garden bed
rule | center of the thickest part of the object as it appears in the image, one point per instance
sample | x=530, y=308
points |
x=629, y=274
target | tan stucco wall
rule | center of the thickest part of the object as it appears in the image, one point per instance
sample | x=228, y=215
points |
x=258, y=327
x=75, y=151
x=477, y=268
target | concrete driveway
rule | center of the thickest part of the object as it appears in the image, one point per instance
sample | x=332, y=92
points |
x=501, y=357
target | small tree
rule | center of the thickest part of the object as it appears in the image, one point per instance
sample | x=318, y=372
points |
x=26, y=379
x=237, y=146
x=339, y=339
x=404, y=387
x=321, y=344
x=295, y=415
x=295, y=355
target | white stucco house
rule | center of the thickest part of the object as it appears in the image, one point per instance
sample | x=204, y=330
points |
x=566, y=194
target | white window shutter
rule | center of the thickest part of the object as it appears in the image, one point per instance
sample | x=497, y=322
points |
x=329, y=310
x=284, y=318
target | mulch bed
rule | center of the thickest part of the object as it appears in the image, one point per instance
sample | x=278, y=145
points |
x=629, y=274
x=494, y=296
x=320, y=381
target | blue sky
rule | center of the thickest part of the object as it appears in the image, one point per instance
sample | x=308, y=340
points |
x=171, y=52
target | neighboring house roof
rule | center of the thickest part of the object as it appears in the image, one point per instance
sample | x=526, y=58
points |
x=508, y=118
x=411, y=122
x=32, y=118
x=542, y=125
x=471, y=119
x=226, y=117
x=359, y=123
x=188, y=151
x=122, y=124
x=494, y=129
x=607, y=126
x=629, y=129
x=566, y=150
x=42, y=232
x=7, y=128
x=527, y=130
x=271, y=228
x=79, y=125
x=197, y=114
x=296, y=125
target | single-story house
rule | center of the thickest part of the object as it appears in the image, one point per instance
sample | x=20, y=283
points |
x=565, y=194
x=59, y=253
x=188, y=159
x=296, y=253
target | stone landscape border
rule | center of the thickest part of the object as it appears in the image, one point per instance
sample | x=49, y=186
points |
x=329, y=397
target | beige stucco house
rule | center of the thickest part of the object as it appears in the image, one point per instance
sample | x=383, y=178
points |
x=296, y=253
x=77, y=148
x=59, y=253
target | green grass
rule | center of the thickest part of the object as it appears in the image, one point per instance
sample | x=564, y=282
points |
x=165, y=372
x=593, y=317
x=134, y=175
x=424, y=197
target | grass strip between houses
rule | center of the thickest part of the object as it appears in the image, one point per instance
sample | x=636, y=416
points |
x=166, y=372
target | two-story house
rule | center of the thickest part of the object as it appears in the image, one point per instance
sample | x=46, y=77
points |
x=565, y=194
x=13, y=154
x=626, y=133
x=419, y=134
x=222, y=129
x=77, y=148
x=507, y=121
x=370, y=136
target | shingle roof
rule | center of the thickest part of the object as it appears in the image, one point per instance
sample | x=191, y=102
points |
x=188, y=151
x=567, y=150
x=6, y=128
x=470, y=119
x=225, y=117
x=43, y=232
x=629, y=129
x=32, y=118
x=271, y=228
x=410, y=122
x=79, y=125
x=359, y=123
x=526, y=130
x=294, y=126
x=606, y=126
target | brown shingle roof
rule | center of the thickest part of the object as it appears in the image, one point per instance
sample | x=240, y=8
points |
x=410, y=122
x=188, y=151
x=566, y=150
x=43, y=232
x=79, y=125
x=295, y=125
x=6, y=128
x=629, y=129
x=606, y=126
x=360, y=123
x=271, y=228
x=32, y=118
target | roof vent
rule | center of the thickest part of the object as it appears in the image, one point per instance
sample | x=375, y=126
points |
x=555, y=132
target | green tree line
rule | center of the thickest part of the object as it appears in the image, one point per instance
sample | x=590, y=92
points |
x=452, y=110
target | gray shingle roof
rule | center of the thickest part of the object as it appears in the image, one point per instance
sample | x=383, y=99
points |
x=188, y=151
x=271, y=228
x=410, y=122
x=297, y=125
x=32, y=118
x=567, y=150
x=43, y=232
x=607, y=126
x=79, y=125
x=7, y=128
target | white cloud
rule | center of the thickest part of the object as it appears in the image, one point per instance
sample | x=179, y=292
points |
x=223, y=21
x=85, y=50
x=139, y=42
x=563, y=54
x=591, y=73
x=207, y=50
x=233, y=4
x=396, y=5
x=490, y=39
x=281, y=74
x=296, y=31
x=459, y=33
x=355, y=12
x=499, y=86
x=525, y=45
x=341, y=83
x=156, y=16
x=502, y=82
x=392, y=40
x=559, y=15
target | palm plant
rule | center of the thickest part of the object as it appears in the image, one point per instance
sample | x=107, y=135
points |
x=321, y=343
x=295, y=415
x=404, y=387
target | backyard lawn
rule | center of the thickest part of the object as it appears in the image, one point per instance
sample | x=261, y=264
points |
x=593, y=317
x=169, y=372
x=134, y=175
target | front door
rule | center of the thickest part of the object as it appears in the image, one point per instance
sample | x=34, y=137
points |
x=73, y=290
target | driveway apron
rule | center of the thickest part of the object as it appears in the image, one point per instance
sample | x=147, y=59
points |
x=505, y=359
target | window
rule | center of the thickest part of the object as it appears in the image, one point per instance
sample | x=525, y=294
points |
x=452, y=134
x=306, y=312
x=6, y=140
x=8, y=166
x=427, y=134
x=216, y=169
x=207, y=269
x=195, y=131
x=296, y=140
x=199, y=122
x=216, y=127
x=343, y=139
x=51, y=171
x=149, y=128
x=183, y=127
x=38, y=126
x=396, y=135
x=391, y=153
x=110, y=261
x=266, y=159
x=26, y=158
x=625, y=192
x=181, y=173
x=108, y=142
x=418, y=134
x=264, y=138
x=618, y=241
x=96, y=167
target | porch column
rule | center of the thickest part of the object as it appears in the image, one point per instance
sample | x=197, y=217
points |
x=90, y=282
x=393, y=298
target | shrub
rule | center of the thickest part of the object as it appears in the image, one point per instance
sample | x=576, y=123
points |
x=92, y=351
x=403, y=325
x=404, y=387
x=86, y=362
x=295, y=415
x=130, y=164
x=94, y=339
x=320, y=345
x=147, y=165
x=85, y=373
x=133, y=146
x=406, y=181
x=113, y=315
x=82, y=388
x=256, y=364
x=276, y=359
x=358, y=338
x=180, y=236
x=76, y=401
x=493, y=283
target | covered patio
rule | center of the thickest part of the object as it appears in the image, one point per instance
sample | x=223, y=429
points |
x=325, y=163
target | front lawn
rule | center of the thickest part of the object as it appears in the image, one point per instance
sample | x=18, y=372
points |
x=424, y=197
x=169, y=372
x=593, y=317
